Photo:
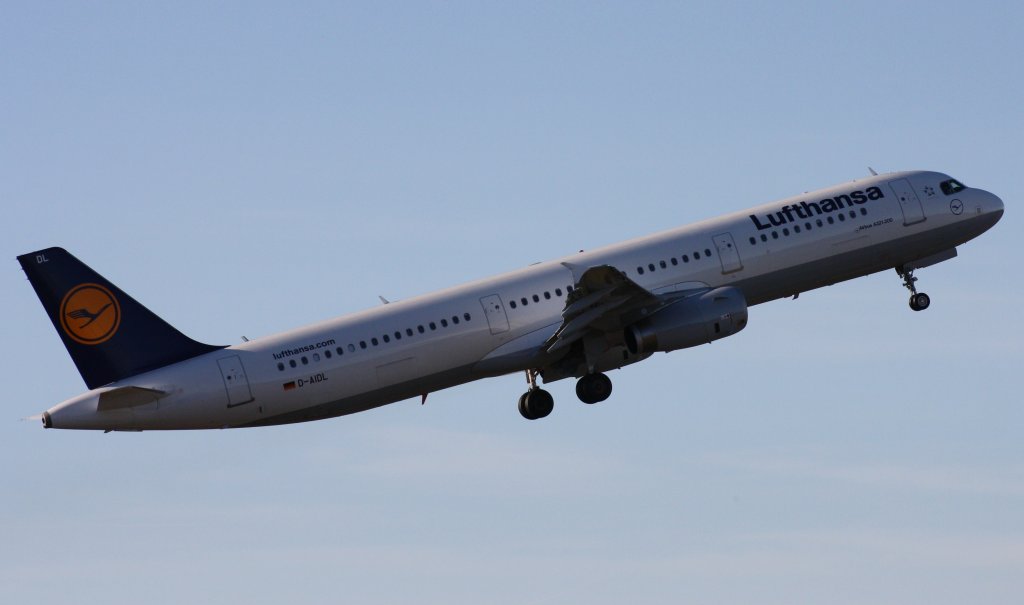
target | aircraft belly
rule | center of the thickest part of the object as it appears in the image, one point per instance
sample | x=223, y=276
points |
x=369, y=400
x=864, y=260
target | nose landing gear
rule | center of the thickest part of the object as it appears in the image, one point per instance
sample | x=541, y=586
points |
x=919, y=301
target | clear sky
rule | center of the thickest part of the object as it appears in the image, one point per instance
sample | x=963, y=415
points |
x=247, y=168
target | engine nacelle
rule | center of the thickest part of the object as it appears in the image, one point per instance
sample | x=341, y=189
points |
x=692, y=321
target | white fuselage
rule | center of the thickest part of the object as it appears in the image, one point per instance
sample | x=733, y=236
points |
x=500, y=324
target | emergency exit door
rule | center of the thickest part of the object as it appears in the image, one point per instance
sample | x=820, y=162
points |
x=728, y=254
x=494, y=311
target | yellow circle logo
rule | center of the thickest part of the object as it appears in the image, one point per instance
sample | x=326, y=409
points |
x=90, y=314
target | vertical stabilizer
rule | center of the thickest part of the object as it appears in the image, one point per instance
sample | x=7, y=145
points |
x=109, y=335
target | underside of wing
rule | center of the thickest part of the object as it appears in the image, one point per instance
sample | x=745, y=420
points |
x=603, y=301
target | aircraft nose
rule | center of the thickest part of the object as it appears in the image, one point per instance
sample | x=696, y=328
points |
x=988, y=205
x=994, y=205
x=990, y=208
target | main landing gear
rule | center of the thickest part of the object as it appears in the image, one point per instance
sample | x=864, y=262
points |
x=593, y=388
x=538, y=403
x=535, y=403
x=919, y=301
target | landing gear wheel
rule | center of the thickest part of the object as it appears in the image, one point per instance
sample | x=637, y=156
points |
x=920, y=301
x=593, y=388
x=535, y=404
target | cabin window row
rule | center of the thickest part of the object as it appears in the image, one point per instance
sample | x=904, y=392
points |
x=375, y=341
x=651, y=267
x=524, y=301
x=807, y=226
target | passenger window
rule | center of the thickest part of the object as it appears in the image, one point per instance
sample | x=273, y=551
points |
x=675, y=262
x=375, y=341
x=686, y=258
x=292, y=363
x=455, y=319
x=547, y=296
x=420, y=329
x=433, y=326
x=280, y=366
x=796, y=228
x=764, y=237
x=316, y=357
x=842, y=217
x=305, y=360
x=663, y=265
x=640, y=270
x=340, y=351
x=558, y=291
x=444, y=323
x=819, y=223
x=362, y=344
x=696, y=256
x=863, y=211
x=524, y=301
x=467, y=316
x=327, y=353
x=707, y=252
x=387, y=338
x=536, y=298
x=775, y=235
x=785, y=231
x=398, y=335
x=512, y=304
x=352, y=348
x=651, y=266
x=752, y=241
x=408, y=331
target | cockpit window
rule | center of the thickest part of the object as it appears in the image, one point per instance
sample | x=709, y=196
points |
x=951, y=186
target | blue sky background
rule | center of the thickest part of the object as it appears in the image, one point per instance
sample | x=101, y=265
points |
x=246, y=168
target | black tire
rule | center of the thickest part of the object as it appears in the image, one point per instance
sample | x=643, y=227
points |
x=594, y=388
x=522, y=406
x=538, y=404
x=920, y=301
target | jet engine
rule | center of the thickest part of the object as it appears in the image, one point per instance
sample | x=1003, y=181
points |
x=692, y=321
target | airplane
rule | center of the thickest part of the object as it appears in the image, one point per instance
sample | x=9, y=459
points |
x=579, y=316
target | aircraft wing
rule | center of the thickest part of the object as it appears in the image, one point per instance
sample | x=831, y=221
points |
x=604, y=300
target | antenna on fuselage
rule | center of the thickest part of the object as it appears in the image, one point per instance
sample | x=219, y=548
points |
x=872, y=170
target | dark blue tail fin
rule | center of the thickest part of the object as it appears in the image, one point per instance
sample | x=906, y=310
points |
x=109, y=335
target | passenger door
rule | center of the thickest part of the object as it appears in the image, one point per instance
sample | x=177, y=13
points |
x=235, y=381
x=909, y=202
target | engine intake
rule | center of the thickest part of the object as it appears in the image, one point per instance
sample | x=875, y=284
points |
x=692, y=321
